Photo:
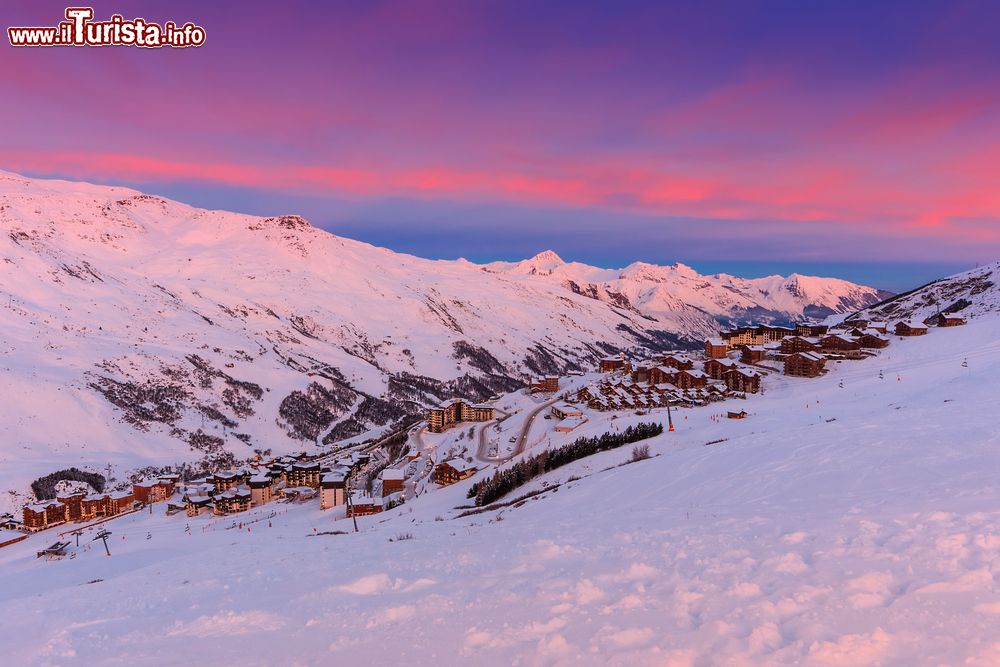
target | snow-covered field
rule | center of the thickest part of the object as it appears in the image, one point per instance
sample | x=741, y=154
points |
x=854, y=525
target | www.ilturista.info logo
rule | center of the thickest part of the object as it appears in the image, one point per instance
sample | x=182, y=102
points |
x=79, y=29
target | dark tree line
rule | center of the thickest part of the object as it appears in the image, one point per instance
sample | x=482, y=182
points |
x=505, y=481
x=45, y=487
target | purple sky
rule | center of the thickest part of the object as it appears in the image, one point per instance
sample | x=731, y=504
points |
x=759, y=134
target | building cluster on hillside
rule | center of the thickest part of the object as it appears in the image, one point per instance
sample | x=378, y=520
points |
x=805, y=349
x=734, y=362
x=802, y=350
x=455, y=411
x=668, y=379
x=73, y=506
x=297, y=478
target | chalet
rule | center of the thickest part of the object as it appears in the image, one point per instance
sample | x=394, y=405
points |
x=742, y=380
x=742, y=414
x=454, y=470
x=197, y=505
x=233, y=501
x=612, y=364
x=547, y=384
x=910, y=329
x=363, y=505
x=151, y=491
x=640, y=373
x=758, y=335
x=741, y=336
x=715, y=348
x=118, y=502
x=73, y=503
x=8, y=522
x=716, y=368
x=332, y=489
x=563, y=410
x=455, y=411
x=691, y=379
x=752, y=354
x=278, y=471
x=9, y=537
x=853, y=323
x=393, y=481
x=662, y=374
x=225, y=481
x=794, y=344
x=570, y=423
x=675, y=361
x=44, y=515
x=838, y=343
x=198, y=488
x=304, y=474
x=881, y=327
x=299, y=494
x=94, y=505
x=811, y=330
x=805, y=364
x=261, y=489
x=871, y=339
x=945, y=320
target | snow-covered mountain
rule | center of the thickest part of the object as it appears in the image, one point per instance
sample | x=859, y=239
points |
x=970, y=294
x=139, y=331
x=698, y=304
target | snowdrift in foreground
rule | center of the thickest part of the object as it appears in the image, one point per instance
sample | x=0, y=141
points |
x=854, y=525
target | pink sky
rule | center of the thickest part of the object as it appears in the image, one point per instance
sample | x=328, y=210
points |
x=836, y=125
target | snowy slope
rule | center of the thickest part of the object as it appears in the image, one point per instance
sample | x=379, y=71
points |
x=853, y=525
x=694, y=303
x=970, y=294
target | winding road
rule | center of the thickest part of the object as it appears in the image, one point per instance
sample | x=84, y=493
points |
x=522, y=438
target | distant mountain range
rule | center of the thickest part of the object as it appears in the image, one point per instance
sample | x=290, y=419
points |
x=695, y=305
x=139, y=331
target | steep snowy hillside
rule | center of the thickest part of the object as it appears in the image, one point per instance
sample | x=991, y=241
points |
x=850, y=520
x=137, y=331
x=688, y=301
x=970, y=294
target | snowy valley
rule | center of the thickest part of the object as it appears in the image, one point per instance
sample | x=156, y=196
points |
x=140, y=332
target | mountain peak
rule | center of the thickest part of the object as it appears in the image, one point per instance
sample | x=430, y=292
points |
x=547, y=257
x=544, y=262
